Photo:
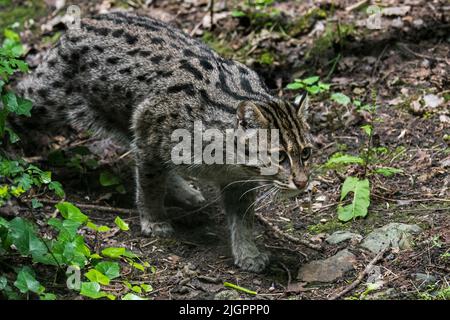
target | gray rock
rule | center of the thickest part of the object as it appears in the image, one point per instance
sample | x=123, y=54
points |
x=329, y=269
x=395, y=235
x=227, y=295
x=340, y=236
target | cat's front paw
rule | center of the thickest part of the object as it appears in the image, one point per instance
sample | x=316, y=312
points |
x=157, y=229
x=253, y=264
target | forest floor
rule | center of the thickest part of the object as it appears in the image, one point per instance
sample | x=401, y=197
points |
x=405, y=63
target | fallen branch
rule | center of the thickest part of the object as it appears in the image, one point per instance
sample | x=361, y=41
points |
x=88, y=206
x=357, y=5
x=361, y=276
x=281, y=234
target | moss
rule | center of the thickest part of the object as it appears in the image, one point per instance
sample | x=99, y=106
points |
x=304, y=24
x=328, y=227
x=11, y=13
x=51, y=39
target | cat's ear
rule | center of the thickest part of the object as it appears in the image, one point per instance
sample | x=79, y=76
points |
x=248, y=116
x=301, y=103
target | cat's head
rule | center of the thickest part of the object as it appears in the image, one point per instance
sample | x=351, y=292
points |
x=287, y=164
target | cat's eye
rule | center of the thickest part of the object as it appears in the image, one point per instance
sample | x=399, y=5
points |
x=306, y=153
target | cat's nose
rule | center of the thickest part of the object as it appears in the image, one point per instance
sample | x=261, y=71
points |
x=301, y=181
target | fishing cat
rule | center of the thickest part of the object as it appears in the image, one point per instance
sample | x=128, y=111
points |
x=138, y=79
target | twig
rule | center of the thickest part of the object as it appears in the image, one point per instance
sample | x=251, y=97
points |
x=356, y=6
x=281, y=234
x=419, y=55
x=89, y=206
x=288, y=274
x=361, y=276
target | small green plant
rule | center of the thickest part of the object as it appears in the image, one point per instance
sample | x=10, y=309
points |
x=358, y=188
x=311, y=84
x=66, y=248
x=10, y=103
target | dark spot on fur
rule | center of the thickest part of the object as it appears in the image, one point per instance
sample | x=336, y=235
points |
x=157, y=40
x=141, y=77
x=188, y=88
x=95, y=88
x=74, y=39
x=117, y=33
x=102, y=31
x=56, y=84
x=125, y=70
x=43, y=93
x=243, y=70
x=94, y=64
x=69, y=89
x=112, y=60
x=156, y=59
x=103, y=77
x=51, y=63
x=30, y=90
x=206, y=65
x=39, y=75
x=99, y=49
x=50, y=103
x=130, y=38
x=67, y=74
x=133, y=52
x=188, y=53
x=84, y=50
x=145, y=53
x=191, y=69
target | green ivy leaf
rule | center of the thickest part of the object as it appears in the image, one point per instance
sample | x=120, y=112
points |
x=113, y=253
x=91, y=290
x=147, y=287
x=340, y=98
x=238, y=14
x=360, y=201
x=57, y=188
x=71, y=212
x=108, y=179
x=343, y=160
x=367, y=129
x=47, y=296
x=387, y=171
x=109, y=269
x=26, y=282
x=96, y=276
x=121, y=224
x=295, y=86
x=24, y=237
x=36, y=204
x=132, y=296
x=311, y=80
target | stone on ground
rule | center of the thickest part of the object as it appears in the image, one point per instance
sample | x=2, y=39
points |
x=395, y=235
x=341, y=236
x=329, y=269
